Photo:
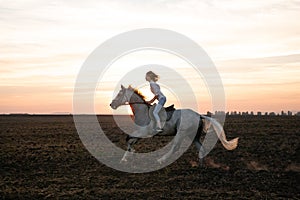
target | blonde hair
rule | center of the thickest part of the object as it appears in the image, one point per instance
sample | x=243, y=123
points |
x=152, y=75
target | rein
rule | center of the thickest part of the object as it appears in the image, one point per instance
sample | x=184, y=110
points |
x=129, y=103
x=135, y=103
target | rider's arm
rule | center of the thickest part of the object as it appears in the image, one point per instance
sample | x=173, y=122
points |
x=152, y=100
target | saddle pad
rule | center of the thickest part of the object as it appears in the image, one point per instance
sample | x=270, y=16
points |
x=165, y=113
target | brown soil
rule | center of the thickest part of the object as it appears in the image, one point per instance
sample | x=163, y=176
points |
x=43, y=157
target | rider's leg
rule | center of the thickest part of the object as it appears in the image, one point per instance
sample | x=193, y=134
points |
x=156, y=110
x=156, y=116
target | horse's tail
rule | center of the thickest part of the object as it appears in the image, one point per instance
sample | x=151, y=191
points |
x=229, y=145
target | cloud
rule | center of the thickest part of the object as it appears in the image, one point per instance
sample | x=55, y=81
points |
x=287, y=62
x=255, y=44
x=284, y=59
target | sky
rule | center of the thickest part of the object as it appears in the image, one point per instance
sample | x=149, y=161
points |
x=255, y=46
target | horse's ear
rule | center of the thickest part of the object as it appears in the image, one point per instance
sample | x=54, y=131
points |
x=122, y=87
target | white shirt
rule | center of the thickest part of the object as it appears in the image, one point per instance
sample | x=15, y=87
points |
x=155, y=89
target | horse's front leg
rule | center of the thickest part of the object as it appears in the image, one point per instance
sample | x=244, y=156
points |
x=133, y=138
x=130, y=142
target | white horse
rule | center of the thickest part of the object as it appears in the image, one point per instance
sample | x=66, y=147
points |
x=176, y=125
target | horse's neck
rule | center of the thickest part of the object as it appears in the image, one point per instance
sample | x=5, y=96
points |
x=140, y=111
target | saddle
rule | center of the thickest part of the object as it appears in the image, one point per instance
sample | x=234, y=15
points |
x=165, y=114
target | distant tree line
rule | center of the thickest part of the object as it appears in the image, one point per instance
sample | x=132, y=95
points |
x=236, y=113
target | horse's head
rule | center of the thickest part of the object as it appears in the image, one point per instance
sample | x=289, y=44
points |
x=127, y=96
x=122, y=98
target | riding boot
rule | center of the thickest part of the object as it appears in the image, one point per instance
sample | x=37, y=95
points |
x=158, y=128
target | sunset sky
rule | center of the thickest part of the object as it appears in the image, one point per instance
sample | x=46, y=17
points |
x=255, y=46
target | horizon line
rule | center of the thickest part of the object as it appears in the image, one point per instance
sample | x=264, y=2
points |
x=232, y=113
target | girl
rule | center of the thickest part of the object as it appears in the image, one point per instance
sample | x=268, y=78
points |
x=152, y=78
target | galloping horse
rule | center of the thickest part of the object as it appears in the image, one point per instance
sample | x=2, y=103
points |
x=177, y=126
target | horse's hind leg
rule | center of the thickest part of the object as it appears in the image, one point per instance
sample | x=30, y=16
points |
x=130, y=142
x=200, y=149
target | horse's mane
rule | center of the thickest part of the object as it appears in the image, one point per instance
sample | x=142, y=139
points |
x=136, y=91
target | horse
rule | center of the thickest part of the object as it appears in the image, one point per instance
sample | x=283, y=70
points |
x=177, y=126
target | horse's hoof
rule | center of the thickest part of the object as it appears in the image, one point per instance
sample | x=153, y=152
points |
x=123, y=160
